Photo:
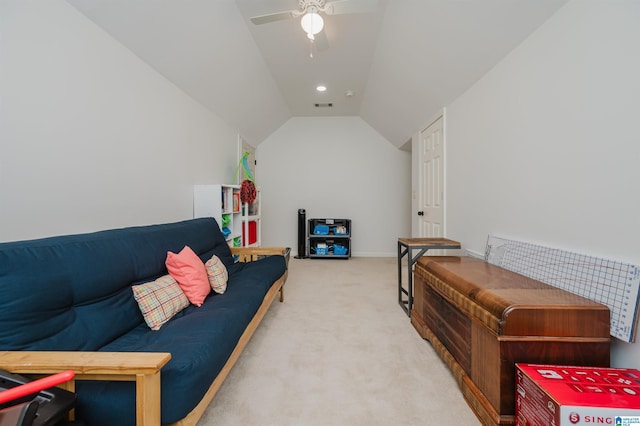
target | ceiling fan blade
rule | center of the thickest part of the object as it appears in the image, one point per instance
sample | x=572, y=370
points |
x=340, y=7
x=278, y=16
x=320, y=41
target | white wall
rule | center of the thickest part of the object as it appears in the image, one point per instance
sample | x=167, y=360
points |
x=90, y=136
x=334, y=167
x=545, y=147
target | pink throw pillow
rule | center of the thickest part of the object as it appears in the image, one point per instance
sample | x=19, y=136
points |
x=190, y=273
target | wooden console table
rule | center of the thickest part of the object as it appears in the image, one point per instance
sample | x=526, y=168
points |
x=405, y=248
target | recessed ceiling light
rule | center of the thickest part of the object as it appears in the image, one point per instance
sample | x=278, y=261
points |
x=321, y=88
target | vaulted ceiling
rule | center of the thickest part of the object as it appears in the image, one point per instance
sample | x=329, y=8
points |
x=403, y=63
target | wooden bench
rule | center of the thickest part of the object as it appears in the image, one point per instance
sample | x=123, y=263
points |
x=481, y=319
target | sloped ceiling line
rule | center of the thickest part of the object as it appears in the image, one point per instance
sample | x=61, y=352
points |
x=404, y=62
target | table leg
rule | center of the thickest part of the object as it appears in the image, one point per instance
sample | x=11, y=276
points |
x=401, y=253
x=412, y=261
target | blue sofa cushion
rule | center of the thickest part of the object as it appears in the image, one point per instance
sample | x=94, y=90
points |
x=73, y=292
x=200, y=340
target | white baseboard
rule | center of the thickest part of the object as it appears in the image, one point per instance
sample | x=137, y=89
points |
x=472, y=253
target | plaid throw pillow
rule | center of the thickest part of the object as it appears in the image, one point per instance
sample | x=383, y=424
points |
x=217, y=273
x=159, y=300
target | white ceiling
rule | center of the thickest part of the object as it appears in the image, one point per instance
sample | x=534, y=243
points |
x=404, y=62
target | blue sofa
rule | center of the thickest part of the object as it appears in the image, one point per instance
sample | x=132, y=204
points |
x=66, y=303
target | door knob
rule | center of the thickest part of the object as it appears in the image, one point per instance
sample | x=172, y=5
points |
x=420, y=213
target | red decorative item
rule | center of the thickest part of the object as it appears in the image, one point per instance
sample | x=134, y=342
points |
x=247, y=191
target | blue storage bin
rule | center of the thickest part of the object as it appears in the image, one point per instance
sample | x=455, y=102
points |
x=322, y=249
x=321, y=230
x=340, y=230
x=339, y=250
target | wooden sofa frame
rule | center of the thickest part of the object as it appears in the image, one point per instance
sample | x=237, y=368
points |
x=143, y=367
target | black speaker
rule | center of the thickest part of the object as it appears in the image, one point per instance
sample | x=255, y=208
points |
x=302, y=234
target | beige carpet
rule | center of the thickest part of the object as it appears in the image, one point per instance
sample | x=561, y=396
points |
x=339, y=351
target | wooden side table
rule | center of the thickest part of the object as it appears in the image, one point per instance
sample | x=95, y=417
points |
x=406, y=246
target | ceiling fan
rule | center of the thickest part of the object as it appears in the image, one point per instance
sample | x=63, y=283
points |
x=311, y=21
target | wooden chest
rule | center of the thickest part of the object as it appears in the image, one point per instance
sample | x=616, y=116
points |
x=482, y=319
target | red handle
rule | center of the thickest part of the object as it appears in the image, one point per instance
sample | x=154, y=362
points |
x=35, y=386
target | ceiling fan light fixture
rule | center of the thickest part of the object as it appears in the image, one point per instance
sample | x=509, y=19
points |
x=312, y=24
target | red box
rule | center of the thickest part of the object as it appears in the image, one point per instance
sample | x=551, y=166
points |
x=253, y=233
x=554, y=395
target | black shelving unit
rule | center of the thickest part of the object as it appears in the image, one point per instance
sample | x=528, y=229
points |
x=329, y=238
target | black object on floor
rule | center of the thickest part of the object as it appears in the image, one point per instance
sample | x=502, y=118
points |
x=47, y=407
x=302, y=234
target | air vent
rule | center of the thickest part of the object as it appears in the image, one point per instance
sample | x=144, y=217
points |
x=327, y=105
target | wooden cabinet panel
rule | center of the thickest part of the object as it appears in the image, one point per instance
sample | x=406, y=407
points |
x=450, y=326
x=487, y=363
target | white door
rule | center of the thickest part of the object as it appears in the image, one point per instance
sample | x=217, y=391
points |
x=431, y=181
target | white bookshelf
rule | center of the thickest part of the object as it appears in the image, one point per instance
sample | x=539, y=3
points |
x=235, y=219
